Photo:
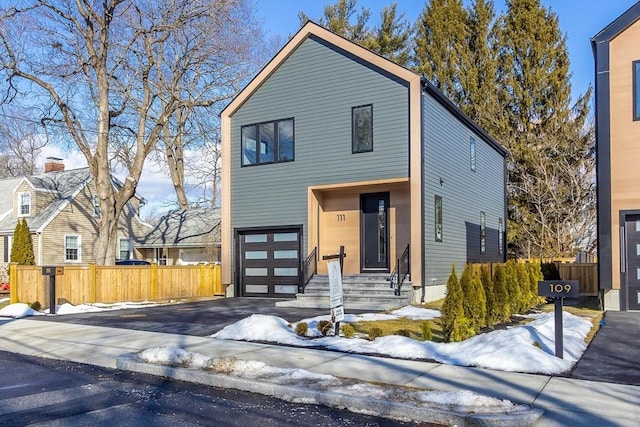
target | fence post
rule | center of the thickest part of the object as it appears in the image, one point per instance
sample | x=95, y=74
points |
x=217, y=281
x=154, y=281
x=92, y=283
x=13, y=283
x=203, y=280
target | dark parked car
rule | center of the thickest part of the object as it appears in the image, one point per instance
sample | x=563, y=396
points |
x=133, y=262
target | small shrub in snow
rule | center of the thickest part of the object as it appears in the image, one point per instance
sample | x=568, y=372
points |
x=403, y=332
x=35, y=305
x=324, y=327
x=348, y=331
x=537, y=344
x=301, y=329
x=374, y=333
x=427, y=335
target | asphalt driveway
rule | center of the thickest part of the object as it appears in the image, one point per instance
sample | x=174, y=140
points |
x=199, y=318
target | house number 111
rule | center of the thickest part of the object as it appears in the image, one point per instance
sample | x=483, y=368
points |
x=341, y=217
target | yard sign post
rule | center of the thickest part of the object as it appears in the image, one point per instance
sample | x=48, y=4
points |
x=559, y=290
x=335, y=287
x=51, y=272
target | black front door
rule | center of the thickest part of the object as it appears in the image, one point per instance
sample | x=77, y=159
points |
x=374, y=226
x=632, y=254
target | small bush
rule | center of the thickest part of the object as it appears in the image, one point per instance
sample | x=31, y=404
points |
x=403, y=333
x=348, y=331
x=375, y=333
x=550, y=271
x=324, y=327
x=301, y=329
x=35, y=305
x=537, y=344
x=427, y=334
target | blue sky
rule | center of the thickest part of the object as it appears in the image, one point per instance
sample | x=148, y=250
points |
x=579, y=20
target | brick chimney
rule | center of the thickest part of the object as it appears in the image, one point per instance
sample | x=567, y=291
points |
x=53, y=164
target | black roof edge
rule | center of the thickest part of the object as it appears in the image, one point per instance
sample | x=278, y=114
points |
x=446, y=102
x=618, y=25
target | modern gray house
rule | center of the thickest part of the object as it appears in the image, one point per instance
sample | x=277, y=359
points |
x=333, y=145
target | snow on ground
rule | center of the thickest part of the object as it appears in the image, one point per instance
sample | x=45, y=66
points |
x=464, y=401
x=527, y=348
x=18, y=310
x=22, y=310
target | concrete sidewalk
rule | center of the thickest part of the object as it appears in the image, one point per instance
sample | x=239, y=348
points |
x=566, y=401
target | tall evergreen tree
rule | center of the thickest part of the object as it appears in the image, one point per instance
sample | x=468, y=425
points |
x=440, y=42
x=391, y=38
x=22, y=247
x=544, y=134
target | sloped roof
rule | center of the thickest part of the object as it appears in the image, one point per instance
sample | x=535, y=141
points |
x=618, y=25
x=61, y=184
x=195, y=227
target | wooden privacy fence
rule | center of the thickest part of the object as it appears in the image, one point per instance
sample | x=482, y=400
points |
x=109, y=284
x=586, y=274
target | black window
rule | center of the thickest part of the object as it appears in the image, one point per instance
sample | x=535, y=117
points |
x=268, y=142
x=636, y=90
x=438, y=218
x=362, y=129
x=483, y=233
x=500, y=235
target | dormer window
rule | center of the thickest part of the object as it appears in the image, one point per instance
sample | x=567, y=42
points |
x=25, y=204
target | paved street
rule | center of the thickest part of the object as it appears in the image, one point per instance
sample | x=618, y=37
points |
x=44, y=392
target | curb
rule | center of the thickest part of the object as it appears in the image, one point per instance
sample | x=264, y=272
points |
x=295, y=394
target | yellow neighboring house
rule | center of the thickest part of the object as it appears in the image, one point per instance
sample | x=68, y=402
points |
x=61, y=209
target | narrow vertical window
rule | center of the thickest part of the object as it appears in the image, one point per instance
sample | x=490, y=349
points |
x=362, y=129
x=636, y=90
x=96, y=206
x=472, y=154
x=438, y=218
x=483, y=234
x=500, y=235
x=25, y=204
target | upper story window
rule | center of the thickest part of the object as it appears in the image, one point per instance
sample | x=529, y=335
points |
x=72, y=248
x=269, y=142
x=438, y=218
x=362, y=129
x=123, y=249
x=472, y=153
x=636, y=90
x=500, y=235
x=483, y=233
x=25, y=204
x=96, y=206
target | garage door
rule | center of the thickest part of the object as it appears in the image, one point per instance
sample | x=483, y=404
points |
x=269, y=262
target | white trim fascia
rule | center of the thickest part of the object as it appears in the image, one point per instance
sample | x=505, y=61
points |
x=20, y=183
x=66, y=203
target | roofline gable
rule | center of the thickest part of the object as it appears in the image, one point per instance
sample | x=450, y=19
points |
x=618, y=25
x=66, y=202
x=308, y=30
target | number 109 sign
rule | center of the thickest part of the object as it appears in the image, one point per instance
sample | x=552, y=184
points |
x=559, y=288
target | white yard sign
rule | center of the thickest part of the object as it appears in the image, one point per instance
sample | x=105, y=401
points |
x=335, y=284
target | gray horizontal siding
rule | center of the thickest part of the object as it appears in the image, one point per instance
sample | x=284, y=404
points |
x=464, y=193
x=317, y=86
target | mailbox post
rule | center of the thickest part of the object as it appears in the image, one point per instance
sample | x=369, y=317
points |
x=52, y=272
x=559, y=290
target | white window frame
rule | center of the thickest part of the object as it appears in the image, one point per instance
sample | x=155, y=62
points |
x=161, y=255
x=20, y=204
x=79, y=248
x=119, y=250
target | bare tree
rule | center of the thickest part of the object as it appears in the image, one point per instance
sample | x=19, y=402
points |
x=116, y=72
x=21, y=142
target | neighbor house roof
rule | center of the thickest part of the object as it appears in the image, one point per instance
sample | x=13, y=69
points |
x=194, y=227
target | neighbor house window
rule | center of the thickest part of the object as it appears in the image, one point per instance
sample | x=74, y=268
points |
x=161, y=256
x=472, y=154
x=25, y=204
x=438, y=218
x=636, y=90
x=483, y=233
x=362, y=129
x=72, y=248
x=500, y=235
x=123, y=249
x=269, y=142
x=96, y=206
